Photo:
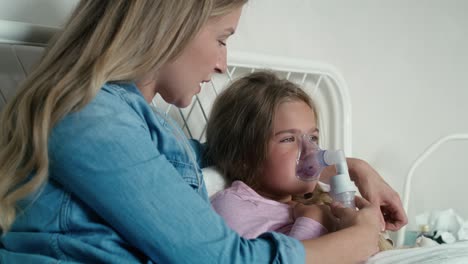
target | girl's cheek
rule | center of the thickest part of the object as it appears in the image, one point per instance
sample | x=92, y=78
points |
x=292, y=161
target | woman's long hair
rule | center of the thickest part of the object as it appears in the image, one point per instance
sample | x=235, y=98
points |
x=103, y=41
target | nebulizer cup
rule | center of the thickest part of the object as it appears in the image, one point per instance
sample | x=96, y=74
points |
x=311, y=160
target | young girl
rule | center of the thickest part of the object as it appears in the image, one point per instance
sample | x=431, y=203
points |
x=252, y=136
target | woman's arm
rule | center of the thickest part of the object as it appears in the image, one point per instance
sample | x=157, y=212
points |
x=108, y=160
x=349, y=245
x=373, y=187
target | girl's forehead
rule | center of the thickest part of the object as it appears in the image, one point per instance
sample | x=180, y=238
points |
x=293, y=116
x=294, y=111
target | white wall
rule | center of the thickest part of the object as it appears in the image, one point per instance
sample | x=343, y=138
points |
x=405, y=64
x=42, y=12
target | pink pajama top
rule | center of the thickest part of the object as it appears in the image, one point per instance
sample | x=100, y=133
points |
x=251, y=215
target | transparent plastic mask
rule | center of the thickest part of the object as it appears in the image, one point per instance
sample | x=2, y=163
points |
x=310, y=158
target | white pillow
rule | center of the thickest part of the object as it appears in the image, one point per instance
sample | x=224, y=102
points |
x=214, y=180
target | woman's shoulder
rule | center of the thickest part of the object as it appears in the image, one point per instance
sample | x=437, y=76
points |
x=118, y=96
x=114, y=104
x=113, y=118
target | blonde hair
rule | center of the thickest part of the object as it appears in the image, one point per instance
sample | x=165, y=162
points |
x=103, y=41
x=241, y=123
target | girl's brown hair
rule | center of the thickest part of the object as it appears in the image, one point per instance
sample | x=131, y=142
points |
x=241, y=123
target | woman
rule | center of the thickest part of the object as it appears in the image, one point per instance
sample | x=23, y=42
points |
x=96, y=175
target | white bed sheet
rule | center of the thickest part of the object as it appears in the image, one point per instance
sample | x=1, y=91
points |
x=456, y=253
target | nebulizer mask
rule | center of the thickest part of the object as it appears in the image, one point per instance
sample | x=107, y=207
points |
x=311, y=160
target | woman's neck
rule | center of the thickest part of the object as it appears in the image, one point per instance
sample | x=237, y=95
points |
x=147, y=88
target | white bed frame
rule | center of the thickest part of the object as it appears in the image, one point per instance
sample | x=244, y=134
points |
x=409, y=178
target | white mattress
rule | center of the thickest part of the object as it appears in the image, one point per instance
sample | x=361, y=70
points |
x=456, y=253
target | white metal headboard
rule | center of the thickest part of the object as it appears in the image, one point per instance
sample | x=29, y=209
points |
x=20, y=33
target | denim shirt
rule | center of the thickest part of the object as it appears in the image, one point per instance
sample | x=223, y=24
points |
x=122, y=189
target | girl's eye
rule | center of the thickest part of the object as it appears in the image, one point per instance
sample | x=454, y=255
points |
x=313, y=138
x=289, y=139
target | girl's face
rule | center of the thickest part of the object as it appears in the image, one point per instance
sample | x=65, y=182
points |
x=278, y=180
x=178, y=81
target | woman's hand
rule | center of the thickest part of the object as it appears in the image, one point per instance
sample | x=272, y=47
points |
x=319, y=213
x=372, y=187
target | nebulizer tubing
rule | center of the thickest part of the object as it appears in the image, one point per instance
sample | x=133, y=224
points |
x=311, y=160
